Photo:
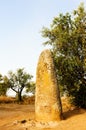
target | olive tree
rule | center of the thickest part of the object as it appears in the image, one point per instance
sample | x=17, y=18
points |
x=18, y=81
x=67, y=37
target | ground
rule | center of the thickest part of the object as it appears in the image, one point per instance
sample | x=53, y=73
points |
x=22, y=117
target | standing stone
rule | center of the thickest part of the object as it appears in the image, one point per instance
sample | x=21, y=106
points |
x=47, y=98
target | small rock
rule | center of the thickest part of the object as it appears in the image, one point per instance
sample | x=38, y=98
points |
x=23, y=121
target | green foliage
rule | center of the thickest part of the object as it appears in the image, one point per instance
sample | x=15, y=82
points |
x=18, y=81
x=30, y=87
x=67, y=37
x=4, y=85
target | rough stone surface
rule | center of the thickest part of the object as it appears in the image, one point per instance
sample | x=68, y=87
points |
x=47, y=99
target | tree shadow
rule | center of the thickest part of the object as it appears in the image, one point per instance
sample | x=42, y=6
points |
x=74, y=112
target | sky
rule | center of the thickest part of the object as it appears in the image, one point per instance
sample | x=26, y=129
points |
x=21, y=22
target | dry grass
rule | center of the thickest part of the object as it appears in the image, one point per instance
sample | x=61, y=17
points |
x=66, y=105
x=26, y=100
x=5, y=99
x=29, y=100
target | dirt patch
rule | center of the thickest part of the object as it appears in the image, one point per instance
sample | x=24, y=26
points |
x=22, y=117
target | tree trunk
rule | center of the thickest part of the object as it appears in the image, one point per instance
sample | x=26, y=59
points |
x=19, y=97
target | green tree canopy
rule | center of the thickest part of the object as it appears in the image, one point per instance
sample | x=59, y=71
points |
x=67, y=37
x=4, y=85
x=18, y=81
x=30, y=87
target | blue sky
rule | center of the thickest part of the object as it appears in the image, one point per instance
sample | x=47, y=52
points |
x=20, y=24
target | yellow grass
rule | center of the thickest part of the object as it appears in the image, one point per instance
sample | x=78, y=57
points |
x=26, y=100
x=5, y=99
